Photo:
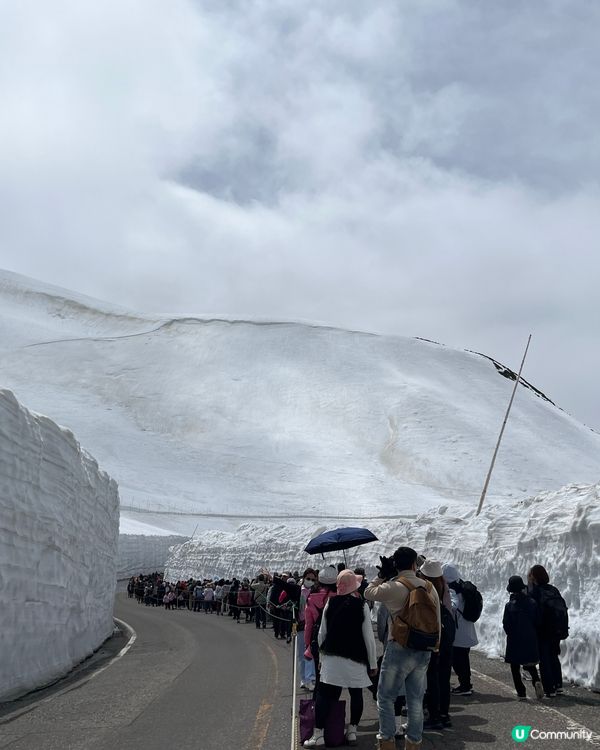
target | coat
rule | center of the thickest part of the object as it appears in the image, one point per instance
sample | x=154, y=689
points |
x=466, y=635
x=520, y=622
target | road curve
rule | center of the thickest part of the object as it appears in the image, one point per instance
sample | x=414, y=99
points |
x=190, y=680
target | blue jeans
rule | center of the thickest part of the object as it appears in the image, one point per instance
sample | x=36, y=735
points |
x=402, y=668
x=306, y=667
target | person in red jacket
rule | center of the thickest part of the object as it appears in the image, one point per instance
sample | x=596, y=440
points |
x=244, y=602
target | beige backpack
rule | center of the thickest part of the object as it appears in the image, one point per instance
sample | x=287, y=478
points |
x=417, y=626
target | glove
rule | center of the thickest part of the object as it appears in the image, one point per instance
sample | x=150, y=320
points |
x=387, y=569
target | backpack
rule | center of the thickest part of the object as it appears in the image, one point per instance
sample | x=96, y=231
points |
x=417, y=626
x=555, y=613
x=472, y=602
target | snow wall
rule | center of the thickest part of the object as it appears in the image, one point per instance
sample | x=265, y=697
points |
x=59, y=525
x=140, y=553
x=560, y=530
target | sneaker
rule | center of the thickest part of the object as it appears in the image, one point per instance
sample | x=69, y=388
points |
x=551, y=695
x=317, y=740
x=522, y=697
x=462, y=691
x=446, y=720
x=310, y=686
x=539, y=690
x=560, y=691
x=351, y=734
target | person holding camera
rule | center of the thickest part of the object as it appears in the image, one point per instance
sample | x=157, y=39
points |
x=414, y=633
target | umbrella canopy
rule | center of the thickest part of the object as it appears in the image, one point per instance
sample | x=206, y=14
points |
x=338, y=539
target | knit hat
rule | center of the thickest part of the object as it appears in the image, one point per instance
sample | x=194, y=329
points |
x=450, y=573
x=515, y=584
x=431, y=569
x=348, y=582
x=291, y=580
x=328, y=575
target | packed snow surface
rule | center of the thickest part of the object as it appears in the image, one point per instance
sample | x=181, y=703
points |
x=207, y=421
x=59, y=525
x=560, y=530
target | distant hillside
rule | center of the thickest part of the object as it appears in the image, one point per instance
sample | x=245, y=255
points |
x=256, y=418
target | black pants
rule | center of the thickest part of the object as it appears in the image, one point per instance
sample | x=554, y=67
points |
x=285, y=628
x=437, y=698
x=260, y=616
x=550, y=668
x=327, y=695
x=198, y=605
x=515, y=670
x=462, y=666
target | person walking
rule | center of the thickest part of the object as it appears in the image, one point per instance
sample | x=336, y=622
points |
x=407, y=654
x=348, y=656
x=466, y=635
x=521, y=621
x=552, y=629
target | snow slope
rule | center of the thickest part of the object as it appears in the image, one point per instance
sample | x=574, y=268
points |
x=59, y=520
x=560, y=530
x=206, y=421
x=144, y=553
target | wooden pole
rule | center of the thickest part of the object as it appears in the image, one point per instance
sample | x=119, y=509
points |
x=489, y=474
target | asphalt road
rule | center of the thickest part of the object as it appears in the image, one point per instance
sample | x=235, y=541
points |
x=200, y=681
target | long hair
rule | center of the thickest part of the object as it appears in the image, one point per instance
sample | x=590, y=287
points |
x=539, y=574
x=439, y=584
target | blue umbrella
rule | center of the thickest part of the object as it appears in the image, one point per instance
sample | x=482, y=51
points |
x=339, y=539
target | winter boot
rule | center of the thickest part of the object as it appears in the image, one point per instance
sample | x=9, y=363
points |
x=386, y=744
x=410, y=745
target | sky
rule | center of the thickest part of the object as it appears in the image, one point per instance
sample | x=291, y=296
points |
x=423, y=168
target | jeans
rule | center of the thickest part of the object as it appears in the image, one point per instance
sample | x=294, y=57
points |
x=306, y=667
x=402, y=668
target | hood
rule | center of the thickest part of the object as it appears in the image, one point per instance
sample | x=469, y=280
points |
x=450, y=573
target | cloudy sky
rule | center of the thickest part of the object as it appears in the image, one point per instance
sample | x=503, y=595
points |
x=425, y=167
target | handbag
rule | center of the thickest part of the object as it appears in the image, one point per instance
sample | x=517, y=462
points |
x=335, y=726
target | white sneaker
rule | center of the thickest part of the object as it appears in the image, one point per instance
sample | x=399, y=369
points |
x=310, y=686
x=317, y=740
x=351, y=734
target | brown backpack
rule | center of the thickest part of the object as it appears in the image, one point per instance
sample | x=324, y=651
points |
x=417, y=626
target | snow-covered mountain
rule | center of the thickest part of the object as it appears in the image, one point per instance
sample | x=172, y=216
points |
x=205, y=421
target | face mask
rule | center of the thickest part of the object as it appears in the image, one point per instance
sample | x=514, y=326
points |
x=309, y=584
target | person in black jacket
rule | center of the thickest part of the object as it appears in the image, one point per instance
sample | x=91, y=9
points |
x=553, y=627
x=521, y=622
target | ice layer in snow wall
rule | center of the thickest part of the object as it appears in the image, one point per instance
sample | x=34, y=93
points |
x=59, y=527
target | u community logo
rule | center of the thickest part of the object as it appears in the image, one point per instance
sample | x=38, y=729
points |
x=520, y=733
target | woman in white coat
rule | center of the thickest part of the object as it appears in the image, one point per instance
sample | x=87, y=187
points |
x=348, y=656
x=466, y=635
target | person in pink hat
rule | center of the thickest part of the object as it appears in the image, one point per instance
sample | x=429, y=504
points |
x=348, y=656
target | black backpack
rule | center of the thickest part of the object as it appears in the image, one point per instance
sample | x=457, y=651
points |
x=555, y=613
x=473, y=602
x=448, y=626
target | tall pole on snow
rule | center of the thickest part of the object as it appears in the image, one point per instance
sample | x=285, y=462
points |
x=510, y=403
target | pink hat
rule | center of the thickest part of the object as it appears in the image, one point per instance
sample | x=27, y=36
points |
x=348, y=582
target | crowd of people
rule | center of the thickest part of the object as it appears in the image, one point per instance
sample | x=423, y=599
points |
x=425, y=617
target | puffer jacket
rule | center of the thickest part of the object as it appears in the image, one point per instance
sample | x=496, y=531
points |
x=315, y=604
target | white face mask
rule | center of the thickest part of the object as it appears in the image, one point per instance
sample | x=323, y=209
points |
x=309, y=584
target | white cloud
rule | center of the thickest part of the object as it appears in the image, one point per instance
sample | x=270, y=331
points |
x=427, y=167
